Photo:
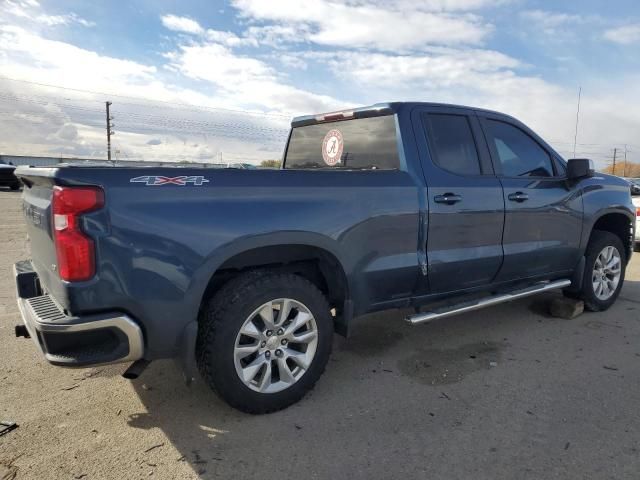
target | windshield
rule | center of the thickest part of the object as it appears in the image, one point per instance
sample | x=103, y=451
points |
x=364, y=143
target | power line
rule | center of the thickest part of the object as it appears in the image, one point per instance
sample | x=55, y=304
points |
x=247, y=112
x=162, y=120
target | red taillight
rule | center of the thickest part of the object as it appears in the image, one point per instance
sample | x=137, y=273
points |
x=75, y=250
x=637, y=211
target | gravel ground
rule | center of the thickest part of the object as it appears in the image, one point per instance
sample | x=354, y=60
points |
x=505, y=392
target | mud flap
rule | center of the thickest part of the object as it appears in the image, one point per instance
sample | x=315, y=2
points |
x=578, y=276
x=343, y=319
x=186, y=359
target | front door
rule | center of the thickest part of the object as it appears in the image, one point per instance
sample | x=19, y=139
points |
x=465, y=202
x=543, y=218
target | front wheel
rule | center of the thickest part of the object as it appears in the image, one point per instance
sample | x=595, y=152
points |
x=264, y=340
x=604, y=271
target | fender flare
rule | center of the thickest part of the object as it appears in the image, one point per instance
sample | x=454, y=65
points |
x=220, y=255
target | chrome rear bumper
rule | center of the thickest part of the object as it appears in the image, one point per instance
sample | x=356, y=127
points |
x=74, y=341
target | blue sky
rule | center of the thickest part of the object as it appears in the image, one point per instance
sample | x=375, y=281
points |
x=285, y=57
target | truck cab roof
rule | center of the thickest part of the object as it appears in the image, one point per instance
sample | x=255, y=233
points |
x=379, y=109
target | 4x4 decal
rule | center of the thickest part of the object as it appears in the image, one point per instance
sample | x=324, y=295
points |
x=155, y=180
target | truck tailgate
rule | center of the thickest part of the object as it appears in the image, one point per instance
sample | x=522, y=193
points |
x=36, y=206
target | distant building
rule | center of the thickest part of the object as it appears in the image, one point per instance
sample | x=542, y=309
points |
x=18, y=160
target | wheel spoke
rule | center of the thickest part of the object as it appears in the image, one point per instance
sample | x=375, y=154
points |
x=597, y=287
x=242, y=351
x=266, y=313
x=250, y=330
x=598, y=265
x=299, y=357
x=286, y=375
x=298, y=321
x=303, y=337
x=613, y=265
x=285, y=309
x=265, y=381
x=250, y=371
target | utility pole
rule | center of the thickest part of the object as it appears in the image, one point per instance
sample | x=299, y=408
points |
x=624, y=172
x=615, y=152
x=109, y=131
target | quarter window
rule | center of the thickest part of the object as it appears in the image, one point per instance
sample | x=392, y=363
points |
x=452, y=144
x=519, y=154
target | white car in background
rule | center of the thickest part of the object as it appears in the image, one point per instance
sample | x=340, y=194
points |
x=636, y=203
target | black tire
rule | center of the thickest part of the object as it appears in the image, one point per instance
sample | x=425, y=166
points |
x=636, y=246
x=598, y=241
x=224, y=315
x=15, y=187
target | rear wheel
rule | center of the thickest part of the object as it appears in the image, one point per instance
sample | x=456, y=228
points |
x=604, y=271
x=264, y=340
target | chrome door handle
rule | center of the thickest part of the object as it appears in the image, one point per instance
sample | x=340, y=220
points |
x=518, y=197
x=448, y=198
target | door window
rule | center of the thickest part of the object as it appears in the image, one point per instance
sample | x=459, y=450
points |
x=519, y=154
x=452, y=144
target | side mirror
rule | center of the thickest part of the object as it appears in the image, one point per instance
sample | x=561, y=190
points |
x=579, y=168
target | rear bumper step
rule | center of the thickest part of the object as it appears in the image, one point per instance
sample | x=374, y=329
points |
x=485, y=302
x=73, y=341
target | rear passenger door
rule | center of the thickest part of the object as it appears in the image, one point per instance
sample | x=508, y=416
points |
x=465, y=202
x=543, y=217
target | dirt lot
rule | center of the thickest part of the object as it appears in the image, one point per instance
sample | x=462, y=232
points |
x=507, y=392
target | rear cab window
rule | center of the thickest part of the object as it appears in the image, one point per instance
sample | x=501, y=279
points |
x=452, y=143
x=355, y=144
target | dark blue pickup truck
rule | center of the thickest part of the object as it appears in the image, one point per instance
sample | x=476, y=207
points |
x=244, y=275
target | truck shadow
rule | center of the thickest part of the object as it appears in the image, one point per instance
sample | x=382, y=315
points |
x=384, y=372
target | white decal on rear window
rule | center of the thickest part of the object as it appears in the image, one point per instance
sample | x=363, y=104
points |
x=332, y=147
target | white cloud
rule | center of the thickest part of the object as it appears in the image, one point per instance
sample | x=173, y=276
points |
x=244, y=80
x=384, y=50
x=44, y=121
x=229, y=39
x=445, y=5
x=489, y=79
x=181, y=24
x=277, y=35
x=67, y=132
x=625, y=35
x=552, y=23
x=188, y=25
x=440, y=68
x=551, y=20
x=383, y=25
x=64, y=63
x=30, y=10
x=291, y=60
x=55, y=20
